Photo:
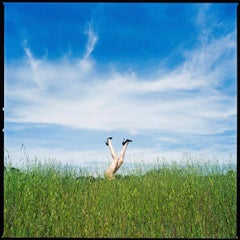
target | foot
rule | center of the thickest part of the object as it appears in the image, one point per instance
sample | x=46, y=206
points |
x=126, y=141
x=107, y=140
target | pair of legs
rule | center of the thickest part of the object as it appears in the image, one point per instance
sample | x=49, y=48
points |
x=117, y=161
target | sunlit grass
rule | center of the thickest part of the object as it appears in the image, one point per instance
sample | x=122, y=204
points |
x=168, y=201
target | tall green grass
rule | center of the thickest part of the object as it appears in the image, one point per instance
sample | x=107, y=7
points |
x=169, y=201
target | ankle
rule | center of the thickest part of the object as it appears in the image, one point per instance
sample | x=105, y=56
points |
x=126, y=141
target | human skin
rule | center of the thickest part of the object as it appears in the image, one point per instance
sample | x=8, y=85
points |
x=117, y=161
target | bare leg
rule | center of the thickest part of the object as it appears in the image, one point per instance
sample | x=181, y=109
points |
x=112, y=168
x=121, y=157
x=113, y=152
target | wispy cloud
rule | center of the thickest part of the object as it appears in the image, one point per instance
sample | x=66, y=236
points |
x=92, y=40
x=188, y=103
x=86, y=63
x=202, y=21
x=115, y=100
x=34, y=63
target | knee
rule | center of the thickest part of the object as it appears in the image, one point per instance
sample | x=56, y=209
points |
x=120, y=161
x=114, y=156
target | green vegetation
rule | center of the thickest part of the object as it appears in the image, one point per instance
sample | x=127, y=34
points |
x=169, y=201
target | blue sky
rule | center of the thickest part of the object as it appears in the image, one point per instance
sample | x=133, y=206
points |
x=161, y=74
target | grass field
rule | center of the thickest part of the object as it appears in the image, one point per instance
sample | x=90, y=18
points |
x=168, y=201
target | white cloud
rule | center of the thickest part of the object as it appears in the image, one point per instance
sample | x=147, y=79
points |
x=92, y=40
x=185, y=100
x=86, y=63
x=203, y=21
x=34, y=63
x=188, y=105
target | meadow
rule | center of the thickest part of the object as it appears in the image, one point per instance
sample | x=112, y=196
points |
x=165, y=202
